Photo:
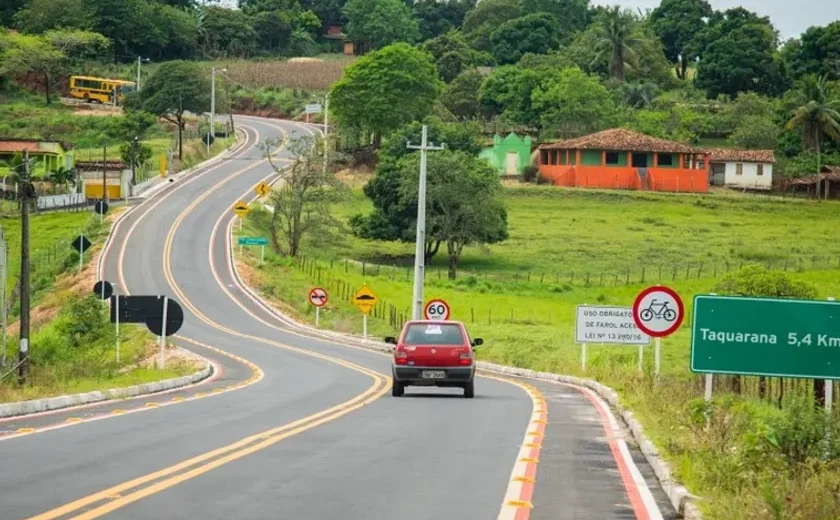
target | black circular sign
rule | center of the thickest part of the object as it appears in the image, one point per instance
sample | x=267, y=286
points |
x=109, y=289
x=101, y=207
x=174, y=319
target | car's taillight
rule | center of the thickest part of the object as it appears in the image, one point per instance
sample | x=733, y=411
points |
x=400, y=358
x=466, y=359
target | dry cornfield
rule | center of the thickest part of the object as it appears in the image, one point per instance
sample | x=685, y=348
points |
x=308, y=75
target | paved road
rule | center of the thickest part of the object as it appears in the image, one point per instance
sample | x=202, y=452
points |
x=311, y=430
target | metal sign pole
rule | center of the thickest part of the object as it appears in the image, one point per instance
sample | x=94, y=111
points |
x=117, y=312
x=262, y=255
x=317, y=316
x=81, y=253
x=5, y=259
x=364, y=326
x=163, y=335
x=657, y=355
x=641, y=358
x=583, y=357
x=829, y=384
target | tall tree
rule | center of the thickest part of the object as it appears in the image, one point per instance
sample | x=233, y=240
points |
x=328, y=11
x=274, y=29
x=386, y=89
x=816, y=115
x=301, y=206
x=741, y=60
x=32, y=54
x=480, y=23
x=391, y=218
x=174, y=88
x=127, y=23
x=380, y=22
x=228, y=33
x=617, y=40
x=508, y=92
x=464, y=197
x=816, y=52
x=38, y=16
x=677, y=22
x=571, y=15
x=461, y=96
x=536, y=33
x=8, y=9
x=574, y=104
x=436, y=18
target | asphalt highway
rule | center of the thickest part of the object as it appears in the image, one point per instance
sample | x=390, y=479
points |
x=296, y=426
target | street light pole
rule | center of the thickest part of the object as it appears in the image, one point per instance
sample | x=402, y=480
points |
x=420, y=245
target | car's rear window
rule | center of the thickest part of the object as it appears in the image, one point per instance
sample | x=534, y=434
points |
x=433, y=334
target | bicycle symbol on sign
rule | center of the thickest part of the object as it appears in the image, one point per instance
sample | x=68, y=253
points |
x=663, y=312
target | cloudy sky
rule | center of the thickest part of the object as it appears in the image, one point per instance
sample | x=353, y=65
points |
x=790, y=17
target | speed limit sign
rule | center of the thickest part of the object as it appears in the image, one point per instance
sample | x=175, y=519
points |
x=436, y=310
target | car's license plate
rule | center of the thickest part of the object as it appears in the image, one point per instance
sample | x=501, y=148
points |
x=434, y=374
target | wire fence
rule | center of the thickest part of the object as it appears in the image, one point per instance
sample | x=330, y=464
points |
x=594, y=277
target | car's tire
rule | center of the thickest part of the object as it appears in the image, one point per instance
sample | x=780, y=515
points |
x=469, y=390
x=397, y=388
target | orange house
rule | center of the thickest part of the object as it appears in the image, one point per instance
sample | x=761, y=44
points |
x=623, y=159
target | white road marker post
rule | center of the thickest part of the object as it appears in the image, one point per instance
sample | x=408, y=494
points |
x=162, y=361
x=262, y=255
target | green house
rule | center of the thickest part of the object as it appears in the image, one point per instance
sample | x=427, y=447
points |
x=508, y=156
x=48, y=155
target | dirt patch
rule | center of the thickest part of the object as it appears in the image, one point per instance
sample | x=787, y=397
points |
x=305, y=60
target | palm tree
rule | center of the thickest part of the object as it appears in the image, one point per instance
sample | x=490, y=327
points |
x=616, y=38
x=63, y=176
x=816, y=115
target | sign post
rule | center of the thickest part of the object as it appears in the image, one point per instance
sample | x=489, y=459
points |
x=163, y=335
x=117, y=303
x=262, y=189
x=607, y=325
x=314, y=108
x=436, y=310
x=365, y=300
x=658, y=312
x=318, y=298
x=81, y=244
x=241, y=209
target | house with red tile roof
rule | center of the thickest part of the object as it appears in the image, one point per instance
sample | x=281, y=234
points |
x=623, y=159
x=747, y=169
x=48, y=155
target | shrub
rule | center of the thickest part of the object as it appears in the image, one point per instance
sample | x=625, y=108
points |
x=530, y=173
x=755, y=280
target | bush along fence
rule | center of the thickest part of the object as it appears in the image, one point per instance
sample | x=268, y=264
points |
x=636, y=275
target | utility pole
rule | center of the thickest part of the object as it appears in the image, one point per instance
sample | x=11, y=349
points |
x=420, y=246
x=138, y=73
x=23, y=353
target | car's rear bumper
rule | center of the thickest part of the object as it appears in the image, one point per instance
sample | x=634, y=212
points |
x=453, y=376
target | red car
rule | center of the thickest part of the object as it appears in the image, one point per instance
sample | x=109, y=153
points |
x=433, y=353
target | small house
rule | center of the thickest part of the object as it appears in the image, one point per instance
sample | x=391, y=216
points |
x=747, y=169
x=623, y=159
x=48, y=155
x=508, y=155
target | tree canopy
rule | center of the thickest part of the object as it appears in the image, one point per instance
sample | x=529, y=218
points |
x=380, y=22
x=386, y=89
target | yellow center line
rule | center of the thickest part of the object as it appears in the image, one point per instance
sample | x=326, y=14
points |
x=239, y=449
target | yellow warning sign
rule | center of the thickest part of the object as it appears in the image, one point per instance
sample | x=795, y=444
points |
x=364, y=299
x=263, y=189
x=241, y=209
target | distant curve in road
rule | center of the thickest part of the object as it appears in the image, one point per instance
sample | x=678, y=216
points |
x=312, y=438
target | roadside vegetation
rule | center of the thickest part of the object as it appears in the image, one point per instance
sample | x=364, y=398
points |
x=72, y=348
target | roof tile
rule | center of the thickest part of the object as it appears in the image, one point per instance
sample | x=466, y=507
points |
x=621, y=139
x=730, y=155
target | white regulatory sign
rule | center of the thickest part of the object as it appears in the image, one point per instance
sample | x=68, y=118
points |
x=612, y=325
x=314, y=108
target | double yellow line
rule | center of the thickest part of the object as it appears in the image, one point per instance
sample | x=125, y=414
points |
x=114, y=498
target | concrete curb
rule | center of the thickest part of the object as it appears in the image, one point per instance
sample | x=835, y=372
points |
x=66, y=401
x=683, y=501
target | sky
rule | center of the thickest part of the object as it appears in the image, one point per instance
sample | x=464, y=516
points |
x=790, y=17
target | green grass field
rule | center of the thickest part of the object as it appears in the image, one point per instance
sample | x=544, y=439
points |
x=531, y=323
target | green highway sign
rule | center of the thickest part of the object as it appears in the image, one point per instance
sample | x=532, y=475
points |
x=766, y=337
x=252, y=241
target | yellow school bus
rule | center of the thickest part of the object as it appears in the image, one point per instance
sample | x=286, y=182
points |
x=100, y=90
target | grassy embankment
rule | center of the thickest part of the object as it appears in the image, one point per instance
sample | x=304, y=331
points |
x=750, y=462
x=72, y=347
